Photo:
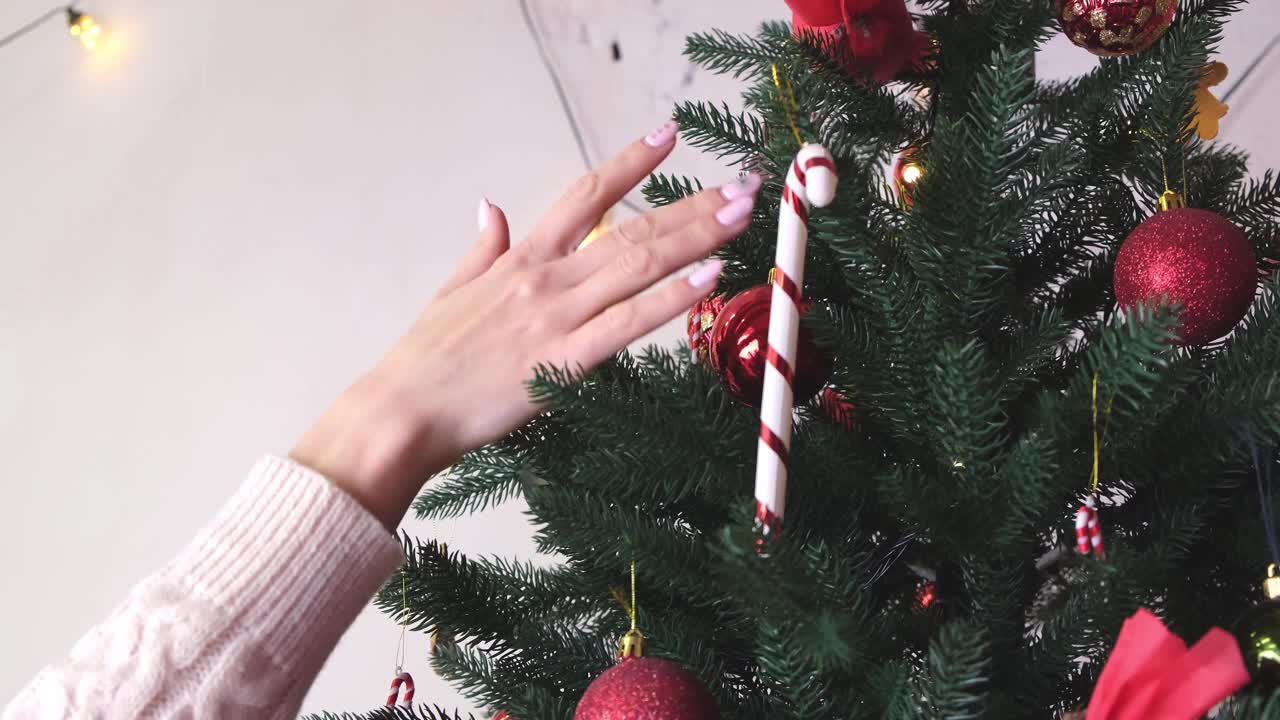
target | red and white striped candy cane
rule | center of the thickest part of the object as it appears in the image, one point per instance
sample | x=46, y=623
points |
x=811, y=181
x=401, y=679
x=1088, y=531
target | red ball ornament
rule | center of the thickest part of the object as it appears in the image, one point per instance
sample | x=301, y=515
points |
x=646, y=688
x=740, y=339
x=1115, y=27
x=1196, y=258
x=702, y=317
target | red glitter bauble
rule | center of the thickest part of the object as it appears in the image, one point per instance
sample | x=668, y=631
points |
x=1193, y=257
x=740, y=339
x=702, y=316
x=1115, y=27
x=645, y=688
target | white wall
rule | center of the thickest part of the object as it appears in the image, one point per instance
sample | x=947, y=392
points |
x=212, y=228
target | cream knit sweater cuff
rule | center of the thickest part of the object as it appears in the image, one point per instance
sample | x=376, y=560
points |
x=291, y=555
x=240, y=622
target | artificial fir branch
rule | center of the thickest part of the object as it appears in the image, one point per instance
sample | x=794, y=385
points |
x=729, y=54
x=954, y=685
x=719, y=130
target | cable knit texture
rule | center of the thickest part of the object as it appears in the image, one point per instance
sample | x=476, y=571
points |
x=238, y=624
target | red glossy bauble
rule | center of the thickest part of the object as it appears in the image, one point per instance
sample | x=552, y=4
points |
x=702, y=317
x=1115, y=27
x=1196, y=258
x=646, y=688
x=740, y=339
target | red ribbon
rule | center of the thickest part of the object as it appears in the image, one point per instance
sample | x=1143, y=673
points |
x=1152, y=674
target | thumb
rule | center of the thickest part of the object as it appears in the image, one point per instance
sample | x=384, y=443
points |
x=494, y=240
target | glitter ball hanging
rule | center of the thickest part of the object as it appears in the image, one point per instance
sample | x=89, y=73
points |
x=702, y=316
x=1115, y=27
x=1196, y=258
x=646, y=688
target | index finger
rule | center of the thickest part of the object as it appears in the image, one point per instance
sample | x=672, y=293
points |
x=582, y=206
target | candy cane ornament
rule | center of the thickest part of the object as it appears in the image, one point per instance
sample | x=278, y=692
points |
x=405, y=680
x=1088, y=530
x=811, y=181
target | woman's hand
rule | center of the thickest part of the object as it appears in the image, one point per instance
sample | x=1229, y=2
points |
x=456, y=380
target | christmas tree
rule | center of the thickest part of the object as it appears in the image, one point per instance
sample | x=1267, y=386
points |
x=997, y=359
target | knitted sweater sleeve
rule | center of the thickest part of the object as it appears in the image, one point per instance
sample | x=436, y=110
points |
x=240, y=622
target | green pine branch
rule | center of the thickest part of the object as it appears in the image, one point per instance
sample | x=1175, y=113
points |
x=954, y=688
x=736, y=55
x=719, y=130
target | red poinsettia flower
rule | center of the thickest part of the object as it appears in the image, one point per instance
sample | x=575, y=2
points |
x=881, y=36
x=815, y=13
x=878, y=33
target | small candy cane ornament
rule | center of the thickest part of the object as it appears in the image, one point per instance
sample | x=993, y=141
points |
x=402, y=679
x=811, y=181
x=1088, y=531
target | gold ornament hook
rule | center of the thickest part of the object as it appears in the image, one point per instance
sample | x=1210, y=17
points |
x=1171, y=200
x=1271, y=586
x=632, y=643
x=788, y=99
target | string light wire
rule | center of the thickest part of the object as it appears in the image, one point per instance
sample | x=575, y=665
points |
x=25, y=29
x=562, y=96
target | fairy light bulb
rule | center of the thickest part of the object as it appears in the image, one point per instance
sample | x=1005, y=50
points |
x=84, y=28
x=908, y=171
x=594, y=235
x=601, y=228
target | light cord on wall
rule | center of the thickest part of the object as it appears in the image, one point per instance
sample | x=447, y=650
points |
x=82, y=27
x=25, y=29
x=563, y=96
x=1251, y=68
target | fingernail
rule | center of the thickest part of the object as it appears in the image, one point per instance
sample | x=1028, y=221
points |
x=663, y=135
x=706, y=273
x=736, y=211
x=482, y=214
x=745, y=185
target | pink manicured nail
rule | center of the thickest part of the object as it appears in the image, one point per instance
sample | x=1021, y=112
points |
x=482, y=214
x=663, y=135
x=706, y=273
x=736, y=211
x=746, y=185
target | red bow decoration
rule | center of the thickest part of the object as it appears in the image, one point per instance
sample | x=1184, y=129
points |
x=878, y=33
x=1152, y=674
